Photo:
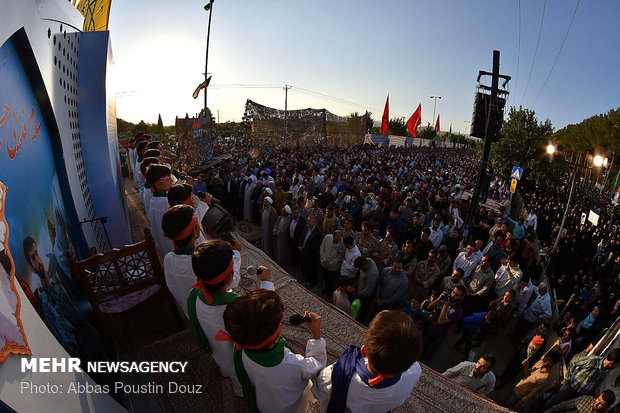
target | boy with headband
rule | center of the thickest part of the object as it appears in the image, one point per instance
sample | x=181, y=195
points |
x=274, y=379
x=212, y=262
x=181, y=226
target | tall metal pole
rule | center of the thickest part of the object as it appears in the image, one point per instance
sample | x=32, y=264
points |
x=487, y=139
x=286, y=88
x=435, y=106
x=570, y=198
x=209, y=6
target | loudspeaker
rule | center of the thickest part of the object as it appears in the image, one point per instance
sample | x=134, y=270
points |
x=481, y=114
x=217, y=221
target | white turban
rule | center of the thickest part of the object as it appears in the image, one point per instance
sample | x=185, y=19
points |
x=287, y=209
x=269, y=191
x=268, y=199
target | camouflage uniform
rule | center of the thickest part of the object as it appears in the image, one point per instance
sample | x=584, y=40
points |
x=424, y=276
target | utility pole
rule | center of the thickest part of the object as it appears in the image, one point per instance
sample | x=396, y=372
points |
x=209, y=8
x=490, y=132
x=286, y=88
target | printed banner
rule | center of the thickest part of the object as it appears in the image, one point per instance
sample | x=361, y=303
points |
x=96, y=14
x=38, y=224
x=12, y=335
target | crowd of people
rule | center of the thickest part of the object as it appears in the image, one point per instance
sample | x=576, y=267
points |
x=381, y=232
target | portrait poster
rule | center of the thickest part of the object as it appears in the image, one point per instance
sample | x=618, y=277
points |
x=37, y=212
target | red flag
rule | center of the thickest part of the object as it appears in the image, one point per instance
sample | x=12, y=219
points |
x=437, y=125
x=414, y=121
x=386, y=117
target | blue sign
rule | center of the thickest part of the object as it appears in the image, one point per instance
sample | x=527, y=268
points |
x=516, y=173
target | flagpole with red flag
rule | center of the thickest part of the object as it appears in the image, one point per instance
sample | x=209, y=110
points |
x=414, y=121
x=437, y=125
x=386, y=117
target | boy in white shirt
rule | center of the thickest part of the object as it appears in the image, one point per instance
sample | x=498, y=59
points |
x=274, y=379
x=212, y=262
x=378, y=377
x=181, y=225
x=160, y=178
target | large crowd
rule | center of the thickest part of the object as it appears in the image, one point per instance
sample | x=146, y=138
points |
x=381, y=232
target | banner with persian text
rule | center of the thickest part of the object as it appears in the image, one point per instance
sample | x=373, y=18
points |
x=37, y=215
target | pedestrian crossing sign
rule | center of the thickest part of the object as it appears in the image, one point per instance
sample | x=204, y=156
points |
x=516, y=173
x=513, y=185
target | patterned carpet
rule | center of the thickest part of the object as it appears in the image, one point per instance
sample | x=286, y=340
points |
x=434, y=392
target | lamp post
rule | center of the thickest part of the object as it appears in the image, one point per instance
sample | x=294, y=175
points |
x=435, y=106
x=598, y=161
x=208, y=7
x=467, y=122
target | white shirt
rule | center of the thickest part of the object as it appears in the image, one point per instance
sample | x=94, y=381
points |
x=523, y=297
x=503, y=280
x=280, y=389
x=542, y=305
x=179, y=277
x=347, y=269
x=436, y=237
x=329, y=253
x=146, y=197
x=468, y=265
x=211, y=319
x=365, y=399
x=201, y=210
x=531, y=221
x=158, y=206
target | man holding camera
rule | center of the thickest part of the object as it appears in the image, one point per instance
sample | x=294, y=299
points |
x=448, y=313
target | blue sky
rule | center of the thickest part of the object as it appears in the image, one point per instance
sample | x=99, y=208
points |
x=361, y=51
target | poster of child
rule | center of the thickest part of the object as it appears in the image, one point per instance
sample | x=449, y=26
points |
x=12, y=335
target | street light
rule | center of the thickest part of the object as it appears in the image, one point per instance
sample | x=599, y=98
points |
x=208, y=7
x=435, y=106
x=598, y=161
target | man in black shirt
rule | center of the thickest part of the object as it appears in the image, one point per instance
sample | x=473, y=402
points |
x=453, y=243
x=423, y=245
x=415, y=230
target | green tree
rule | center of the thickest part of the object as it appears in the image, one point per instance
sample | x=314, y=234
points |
x=427, y=133
x=160, y=126
x=397, y=126
x=369, y=121
x=523, y=141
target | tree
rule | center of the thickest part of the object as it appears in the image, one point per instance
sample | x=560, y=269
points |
x=397, y=126
x=522, y=143
x=600, y=131
x=369, y=121
x=427, y=133
x=160, y=126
